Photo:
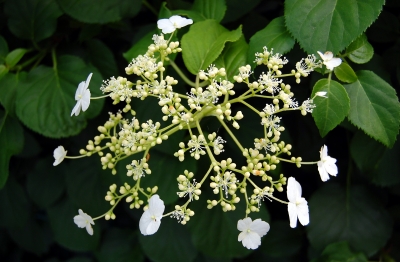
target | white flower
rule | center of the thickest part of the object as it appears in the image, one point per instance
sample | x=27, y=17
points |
x=174, y=22
x=297, y=206
x=329, y=61
x=84, y=220
x=59, y=155
x=326, y=165
x=321, y=94
x=151, y=218
x=252, y=231
x=82, y=96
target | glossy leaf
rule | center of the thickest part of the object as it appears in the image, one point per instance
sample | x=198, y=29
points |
x=345, y=73
x=140, y=47
x=330, y=111
x=374, y=107
x=329, y=26
x=12, y=142
x=104, y=11
x=3, y=49
x=3, y=71
x=210, y=9
x=360, y=51
x=275, y=35
x=233, y=57
x=350, y=216
x=198, y=55
x=51, y=95
x=14, y=56
x=341, y=251
x=8, y=90
x=32, y=19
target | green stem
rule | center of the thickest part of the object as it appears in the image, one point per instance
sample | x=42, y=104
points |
x=181, y=74
x=231, y=134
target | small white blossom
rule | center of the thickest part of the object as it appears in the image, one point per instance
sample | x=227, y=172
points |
x=329, y=61
x=252, y=231
x=326, y=166
x=297, y=206
x=84, y=220
x=150, y=221
x=307, y=65
x=82, y=96
x=321, y=94
x=174, y=22
x=59, y=155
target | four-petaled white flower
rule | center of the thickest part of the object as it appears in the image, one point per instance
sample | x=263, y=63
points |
x=151, y=218
x=82, y=96
x=297, y=206
x=329, y=61
x=174, y=22
x=326, y=166
x=84, y=220
x=252, y=231
x=59, y=155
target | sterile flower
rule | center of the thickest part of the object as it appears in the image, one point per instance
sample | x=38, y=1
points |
x=321, y=94
x=329, y=61
x=297, y=206
x=82, y=96
x=59, y=155
x=84, y=220
x=151, y=218
x=252, y=231
x=174, y=22
x=326, y=166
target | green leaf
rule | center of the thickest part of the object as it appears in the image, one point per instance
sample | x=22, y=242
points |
x=140, y=47
x=345, y=73
x=172, y=242
x=374, y=107
x=14, y=56
x=102, y=12
x=319, y=25
x=50, y=94
x=66, y=232
x=360, y=51
x=45, y=183
x=351, y=216
x=275, y=35
x=3, y=49
x=210, y=9
x=8, y=90
x=341, y=251
x=102, y=58
x=119, y=245
x=233, y=57
x=330, y=111
x=32, y=19
x=12, y=142
x=3, y=71
x=198, y=55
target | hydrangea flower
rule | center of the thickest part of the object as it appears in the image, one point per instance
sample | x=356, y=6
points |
x=329, y=61
x=84, y=220
x=59, y=155
x=297, y=206
x=82, y=96
x=252, y=231
x=326, y=166
x=174, y=22
x=151, y=218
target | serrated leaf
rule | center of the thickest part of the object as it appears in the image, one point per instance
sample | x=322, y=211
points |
x=360, y=51
x=46, y=98
x=350, y=216
x=233, y=57
x=102, y=58
x=275, y=35
x=345, y=73
x=210, y=9
x=198, y=55
x=8, y=90
x=341, y=251
x=66, y=232
x=12, y=142
x=14, y=56
x=32, y=19
x=104, y=11
x=3, y=49
x=172, y=241
x=329, y=26
x=330, y=111
x=374, y=107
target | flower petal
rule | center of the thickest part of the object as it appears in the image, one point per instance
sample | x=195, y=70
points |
x=179, y=21
x=77, y=108
x=302, y=213
x=166, y=26
x=244, y=224
x=292, y=210
x=89, y=229
x=81, y=88
x=156, y=206
x=88, y=81
x=260, y=227
x=85, y=100
x=251, y=241
x=322, y=172
x=332, y=63
x=293, y=190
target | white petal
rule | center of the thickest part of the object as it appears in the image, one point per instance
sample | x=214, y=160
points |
x=331, y=167
x=166, y=26
x=302, y=213
x=80, y=221
x=293, y=190
x=156, y=206
x=323, y=152
x=59, y=155
x=292, y=210
x=244, y=224
x=321, y=55
x=322, y=172
x=88, y=81
x=242, y=235
x=85, y=100
x=332, y=63
x=321, y=94
x=147, y=225
x=328, y=55
x=89, y=229
x=179, y=21
x=77, y=108
x=81, y=88
x=251, y=241
x=260, y=227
